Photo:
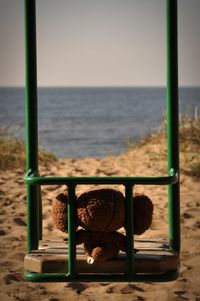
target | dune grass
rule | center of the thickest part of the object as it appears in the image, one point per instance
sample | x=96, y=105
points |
x=13, y=154
x=189, y=144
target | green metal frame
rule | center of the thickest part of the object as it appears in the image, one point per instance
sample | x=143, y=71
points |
x=34, y=181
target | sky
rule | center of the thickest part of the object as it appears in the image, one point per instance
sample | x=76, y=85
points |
x=99, y=42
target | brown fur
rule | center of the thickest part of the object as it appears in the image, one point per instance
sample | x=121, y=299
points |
x=142, y=213
x=101, y=245
x=100, y=213
x=101, y=210
x=59, y=212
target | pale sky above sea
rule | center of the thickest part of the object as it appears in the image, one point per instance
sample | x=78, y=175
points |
x=99, y=42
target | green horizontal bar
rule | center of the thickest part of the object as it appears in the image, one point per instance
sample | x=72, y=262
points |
x=35, y=277
x=31, y=179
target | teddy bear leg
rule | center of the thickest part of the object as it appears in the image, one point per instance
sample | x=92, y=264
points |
x=101, y=253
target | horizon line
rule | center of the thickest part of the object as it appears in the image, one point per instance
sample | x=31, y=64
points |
x=100, y=86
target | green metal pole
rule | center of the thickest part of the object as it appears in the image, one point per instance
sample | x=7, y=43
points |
x=173, y=122
x=129, y=228
x=71, y=231
x=31, y=124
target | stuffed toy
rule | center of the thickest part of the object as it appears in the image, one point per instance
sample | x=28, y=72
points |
x=100, y=213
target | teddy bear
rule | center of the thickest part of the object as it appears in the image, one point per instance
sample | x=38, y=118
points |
x=100, y=213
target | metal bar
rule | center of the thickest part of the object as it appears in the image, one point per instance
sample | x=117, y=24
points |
x=32, y=218
x=33, y=179
x=129, y=228
x=31, y=87
x=173, y=122
x=35, y=277
x=31, y=123
x=40, y=213
x=71, y=231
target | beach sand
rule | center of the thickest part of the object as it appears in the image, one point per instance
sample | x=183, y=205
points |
x=148, y=160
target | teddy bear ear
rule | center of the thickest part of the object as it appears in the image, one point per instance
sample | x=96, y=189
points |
x=142, y=212
x=59, y=212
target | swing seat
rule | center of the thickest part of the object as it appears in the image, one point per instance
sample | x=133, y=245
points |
x=153, y=257
x=156, y=260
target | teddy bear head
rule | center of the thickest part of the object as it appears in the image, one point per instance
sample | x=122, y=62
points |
x=101, y=210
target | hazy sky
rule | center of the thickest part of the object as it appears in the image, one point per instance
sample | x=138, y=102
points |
x=99, y=42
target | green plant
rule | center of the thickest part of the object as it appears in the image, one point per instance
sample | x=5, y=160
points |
x=13, y=154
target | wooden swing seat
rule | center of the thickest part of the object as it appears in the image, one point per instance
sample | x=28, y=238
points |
x=153, y=257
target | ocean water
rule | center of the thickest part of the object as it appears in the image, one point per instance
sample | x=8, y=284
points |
x=81, y=122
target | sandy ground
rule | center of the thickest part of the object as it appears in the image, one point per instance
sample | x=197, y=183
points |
x=145, y=160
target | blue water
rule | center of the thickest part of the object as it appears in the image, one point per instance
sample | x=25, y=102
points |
x=80, y=122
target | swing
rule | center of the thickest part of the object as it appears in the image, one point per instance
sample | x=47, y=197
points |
x=49, y=261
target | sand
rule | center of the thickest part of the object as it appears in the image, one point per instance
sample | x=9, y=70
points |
x=144, y=160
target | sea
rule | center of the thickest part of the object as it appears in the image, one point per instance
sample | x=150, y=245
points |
x=78, y=122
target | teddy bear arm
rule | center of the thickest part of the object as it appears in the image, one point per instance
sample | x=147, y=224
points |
x=59, y=212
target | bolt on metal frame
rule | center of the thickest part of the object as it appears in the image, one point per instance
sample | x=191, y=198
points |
x=34, y=181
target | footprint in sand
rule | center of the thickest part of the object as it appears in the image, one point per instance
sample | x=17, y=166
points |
x=187, y=215
x=8, y=279
x=131, y=288
x=77, y=287
x=197, y=225
x=19, y=221
x=2, y=232
x=181, y=294
x=127, y=289
x=8, y=202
